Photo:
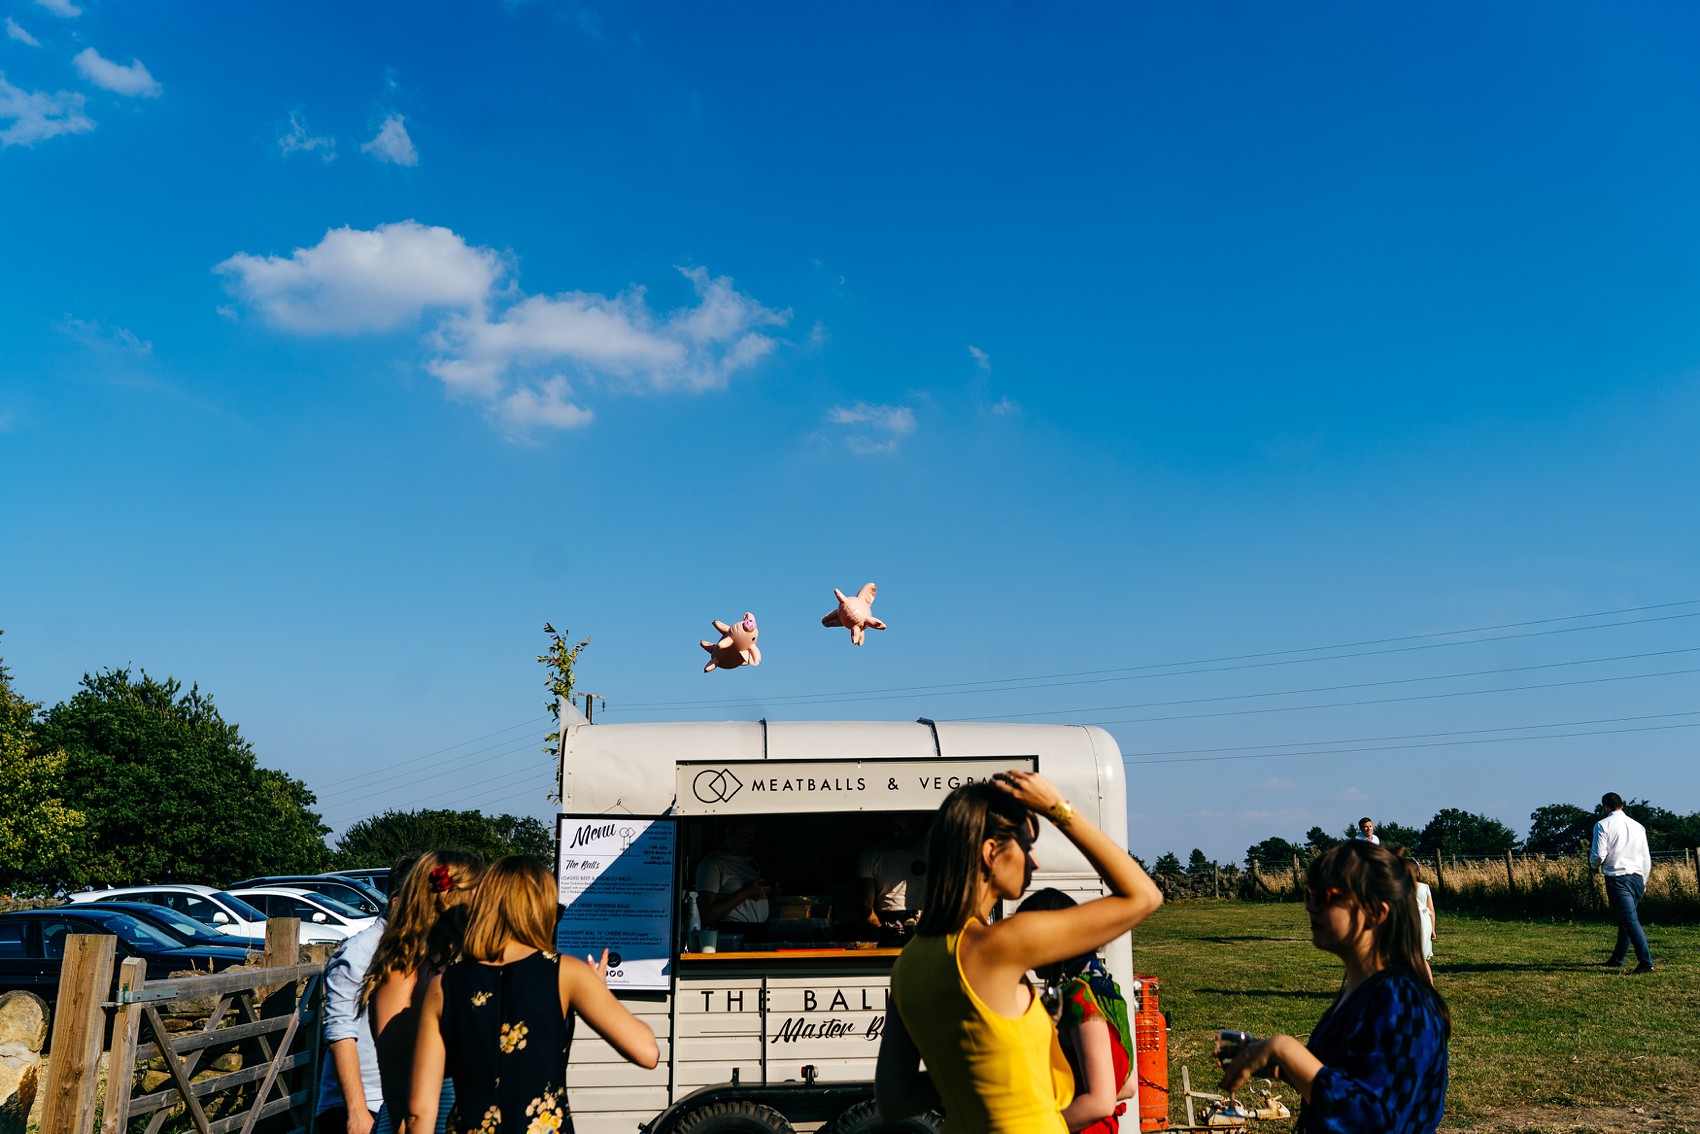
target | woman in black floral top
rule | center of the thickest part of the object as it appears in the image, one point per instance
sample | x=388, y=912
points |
x=501, y=1020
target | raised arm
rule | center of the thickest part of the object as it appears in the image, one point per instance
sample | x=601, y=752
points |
x=584, y=991
x=1044, y=937
x=419, y=1108
x=1095, y=1098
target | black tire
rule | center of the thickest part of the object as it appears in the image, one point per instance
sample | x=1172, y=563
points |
x=734, y=1118
x=864, y=1118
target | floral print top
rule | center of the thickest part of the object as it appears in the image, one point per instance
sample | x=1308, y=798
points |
x=506, y=1044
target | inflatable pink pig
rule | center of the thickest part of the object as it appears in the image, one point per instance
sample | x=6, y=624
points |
x=855, y=611
x=737, y=645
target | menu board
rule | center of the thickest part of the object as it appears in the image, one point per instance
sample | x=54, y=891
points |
x=615, y=875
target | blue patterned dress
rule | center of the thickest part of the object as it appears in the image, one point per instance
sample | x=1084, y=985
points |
x=1383, y=1053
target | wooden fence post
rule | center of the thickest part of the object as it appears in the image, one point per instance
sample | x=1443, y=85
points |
x=283, y=941
x=1298, y=882
x=1439, y=874
x=1510, y=878
x=120, y=1061
x=79, y=1026
x=1216, y=880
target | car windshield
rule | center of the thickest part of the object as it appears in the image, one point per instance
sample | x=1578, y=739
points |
x=336, y=907
x=139, y=933
x=238, y=907
x=181, y=924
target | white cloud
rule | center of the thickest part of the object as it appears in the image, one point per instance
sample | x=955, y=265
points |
x=298, y=140
x=514, y=352
x=93, y=333
x=880, y=428
x=392, y=143
x=62, y=8
x=546, y=404
x=15, y=31
x=981, y=358
x=32, y=116
x=355, y=280
x=617, y=338
x=132, y=81
x=1003, y=407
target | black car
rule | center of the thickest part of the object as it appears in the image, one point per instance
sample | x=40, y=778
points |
x=32, y=947
x=351, y=892
x=377, y=877
x=179, y=925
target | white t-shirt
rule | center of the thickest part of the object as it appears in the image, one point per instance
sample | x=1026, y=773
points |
x=724, y=874
x=1361, y=837
x=899, y=875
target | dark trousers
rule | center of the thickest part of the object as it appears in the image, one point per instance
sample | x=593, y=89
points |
x=1624, y=892
x=334, y=1120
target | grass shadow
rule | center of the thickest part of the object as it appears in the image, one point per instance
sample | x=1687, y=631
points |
x=1287, y=993
x=1450, y=967
x=1249, y=937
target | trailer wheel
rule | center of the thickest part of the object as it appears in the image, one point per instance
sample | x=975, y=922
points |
x=730, y=1117
x=864, y=1118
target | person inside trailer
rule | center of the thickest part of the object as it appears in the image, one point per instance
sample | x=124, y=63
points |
x=731, y=889
x=891, y=875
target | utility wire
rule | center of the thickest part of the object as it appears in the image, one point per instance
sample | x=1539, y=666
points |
x=416, y=759
x=1331, y=688
x=1429, y=744
x=1172, y=669
x=1399, y=700
x=461, y=761
x=1467, y=732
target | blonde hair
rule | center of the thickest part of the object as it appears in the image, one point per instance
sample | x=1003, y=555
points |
x=516, y=902
x=426, y=917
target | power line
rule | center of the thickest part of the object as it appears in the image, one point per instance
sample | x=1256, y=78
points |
x=459, y=765
x=1400, y=700
x=1332, y=688
x=1141, y=672
x=1467, y=732
x=438, y=752
x=1431, y=744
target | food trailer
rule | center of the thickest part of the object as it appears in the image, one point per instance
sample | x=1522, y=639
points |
x=781, y=1033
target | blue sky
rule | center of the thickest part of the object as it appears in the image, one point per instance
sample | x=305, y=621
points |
x=346, y=345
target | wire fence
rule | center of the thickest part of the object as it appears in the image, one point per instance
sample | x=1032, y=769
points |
x=1511, y=884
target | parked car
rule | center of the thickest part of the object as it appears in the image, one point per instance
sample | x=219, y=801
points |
x=377, y=877
x=32, y=946
x=313, y=909
x=349, y=891
x=217, y=909
x=179, y=925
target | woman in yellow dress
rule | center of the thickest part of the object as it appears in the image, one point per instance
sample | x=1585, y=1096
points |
x=960, y=997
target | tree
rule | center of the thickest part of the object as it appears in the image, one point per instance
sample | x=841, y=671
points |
x=1558, y=828
x=380, y=839
x=1319, y=840
x=1198, y=865
x=1273, y=849
x=560, y=660
x=1454, y=831
x=1167, y=863
x=37, y=828
x=172, y=791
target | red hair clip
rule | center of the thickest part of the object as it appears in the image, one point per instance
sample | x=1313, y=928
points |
x=441, y=880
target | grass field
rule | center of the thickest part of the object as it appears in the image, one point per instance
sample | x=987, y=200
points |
x=1544, y=1038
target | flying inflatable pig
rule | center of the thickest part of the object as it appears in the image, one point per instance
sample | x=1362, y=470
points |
x=737, y=645
x=856, y=612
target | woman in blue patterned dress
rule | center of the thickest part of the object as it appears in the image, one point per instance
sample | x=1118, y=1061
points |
x=1376, y=1061
x=501, y=1020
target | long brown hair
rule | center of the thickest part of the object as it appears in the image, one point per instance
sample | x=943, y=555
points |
x=426, y=916
x=515, y=902
x=968, y=817
x=1371, y=875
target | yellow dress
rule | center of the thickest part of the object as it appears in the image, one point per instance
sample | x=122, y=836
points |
x=995, y=1075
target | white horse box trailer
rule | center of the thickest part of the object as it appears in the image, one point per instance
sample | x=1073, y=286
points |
x=786, y=1031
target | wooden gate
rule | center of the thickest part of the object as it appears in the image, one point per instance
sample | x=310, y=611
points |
x=231, y=1052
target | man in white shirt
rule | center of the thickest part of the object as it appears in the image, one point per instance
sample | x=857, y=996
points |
x=1620, y=851
x=1366, y=831
x=891, y=875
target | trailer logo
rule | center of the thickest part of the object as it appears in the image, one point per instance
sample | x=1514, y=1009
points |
x=716, y=785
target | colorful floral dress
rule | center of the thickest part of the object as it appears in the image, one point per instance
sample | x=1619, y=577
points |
x=1094, y=995
x=506, y=1043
